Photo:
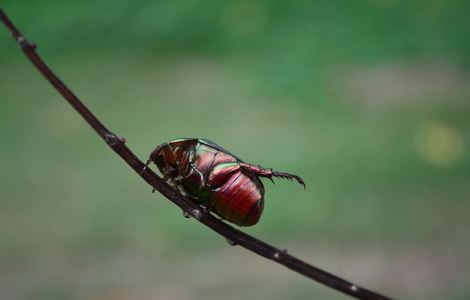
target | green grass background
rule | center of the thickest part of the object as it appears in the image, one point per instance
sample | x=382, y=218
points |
x=368, y=101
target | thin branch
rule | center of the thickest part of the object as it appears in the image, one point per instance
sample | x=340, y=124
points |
x=234, y=236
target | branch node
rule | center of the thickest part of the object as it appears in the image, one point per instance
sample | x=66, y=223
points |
x=276, y=255
x=112, y=139
x=24, y=44
x=196, y=213
x=231, y=242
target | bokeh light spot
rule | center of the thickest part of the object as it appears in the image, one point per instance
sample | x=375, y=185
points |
x=439, y=144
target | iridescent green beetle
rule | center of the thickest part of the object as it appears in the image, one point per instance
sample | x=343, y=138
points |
x=213, y=177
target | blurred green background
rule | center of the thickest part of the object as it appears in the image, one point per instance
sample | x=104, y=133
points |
x=368, y=101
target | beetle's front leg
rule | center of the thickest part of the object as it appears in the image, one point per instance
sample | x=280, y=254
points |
x=166, y=172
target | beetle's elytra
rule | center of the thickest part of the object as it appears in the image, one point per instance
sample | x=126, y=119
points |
x=213, y=177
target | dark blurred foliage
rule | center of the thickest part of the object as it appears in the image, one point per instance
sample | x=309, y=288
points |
x=298, y=38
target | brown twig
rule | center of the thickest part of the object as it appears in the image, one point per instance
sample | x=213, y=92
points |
x=234, y=236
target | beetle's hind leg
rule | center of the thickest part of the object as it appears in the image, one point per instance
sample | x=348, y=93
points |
x=207, y=207
x=289, y=176
x=270, y=173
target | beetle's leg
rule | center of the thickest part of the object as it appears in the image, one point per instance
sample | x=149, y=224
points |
x=166, y=173
x=208, y=207
x=169, y=155
x=269, y=173
x=184, y=164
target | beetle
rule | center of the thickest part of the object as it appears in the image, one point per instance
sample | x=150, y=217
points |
x=215, y=178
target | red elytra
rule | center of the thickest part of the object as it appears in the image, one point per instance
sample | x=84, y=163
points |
x=213, y=177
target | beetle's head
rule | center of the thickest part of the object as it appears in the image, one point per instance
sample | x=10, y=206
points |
x=158, y=158
x=164, y=159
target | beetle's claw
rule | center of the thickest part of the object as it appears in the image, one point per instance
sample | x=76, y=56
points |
x=299, y=180
x=289, y=177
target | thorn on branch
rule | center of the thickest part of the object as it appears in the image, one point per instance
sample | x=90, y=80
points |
x=113, y=140
x=196, y=213
x=231, y=242
x=24, y=44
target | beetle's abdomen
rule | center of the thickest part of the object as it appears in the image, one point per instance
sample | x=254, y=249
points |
x=216, y=177
x=236, y=196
